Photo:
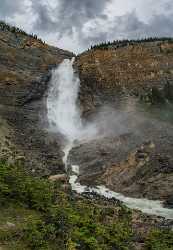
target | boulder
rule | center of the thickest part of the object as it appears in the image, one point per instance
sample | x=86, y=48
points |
x=58, y=177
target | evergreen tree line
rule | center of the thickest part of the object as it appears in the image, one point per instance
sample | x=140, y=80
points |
x=6, y=27
x=126, y=42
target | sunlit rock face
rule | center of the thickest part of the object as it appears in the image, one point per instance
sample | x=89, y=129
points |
x=132, y=69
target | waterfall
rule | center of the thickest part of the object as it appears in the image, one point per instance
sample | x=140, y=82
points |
x=63, y=112
x=64, y=117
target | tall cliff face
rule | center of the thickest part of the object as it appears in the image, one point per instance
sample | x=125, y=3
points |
x=134, y=69
x=25, y=64
x=137, y=161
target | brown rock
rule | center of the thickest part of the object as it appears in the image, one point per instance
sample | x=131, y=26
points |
x=59, y=177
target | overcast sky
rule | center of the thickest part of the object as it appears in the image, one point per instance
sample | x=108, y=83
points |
x=76, y=24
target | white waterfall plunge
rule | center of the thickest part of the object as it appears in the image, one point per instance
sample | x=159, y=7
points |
x=63, y=112
x=64, y=117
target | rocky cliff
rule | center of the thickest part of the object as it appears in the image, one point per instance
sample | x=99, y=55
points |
x=137, y=81
x=25, y=69
x=144, y=69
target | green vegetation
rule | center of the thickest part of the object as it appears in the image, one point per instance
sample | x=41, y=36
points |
x=158, y=96
x=38, y=214
x=52, y=218
x=123, y=43
x=160, y=240
x=6, y=27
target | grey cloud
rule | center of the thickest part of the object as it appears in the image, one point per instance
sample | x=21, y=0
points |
x=68, y=14
x=129, y=26
x=44, y=20
x=8, y=8
x=60, y=21
x=161, y=25
x=75, y=13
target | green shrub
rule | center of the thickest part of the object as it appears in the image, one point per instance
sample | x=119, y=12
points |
x=20, y=187
x=160, y=240
x=59, y=219
x=38, y=234
x=6, y=27
x=126, y=42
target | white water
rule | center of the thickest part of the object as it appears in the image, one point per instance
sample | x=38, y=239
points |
x=64, y=117
x=146, y=206
x=63, y=113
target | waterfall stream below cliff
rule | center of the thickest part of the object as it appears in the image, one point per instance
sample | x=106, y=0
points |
x=65, y=118
x=63, y=112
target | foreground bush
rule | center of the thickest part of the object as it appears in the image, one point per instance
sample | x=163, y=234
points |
x=47, y=218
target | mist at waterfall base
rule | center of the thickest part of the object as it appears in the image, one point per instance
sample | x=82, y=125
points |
x=64, y=113
x=65, y=118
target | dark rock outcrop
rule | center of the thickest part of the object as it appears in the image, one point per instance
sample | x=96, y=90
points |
x=169, y=202
x=133, y=164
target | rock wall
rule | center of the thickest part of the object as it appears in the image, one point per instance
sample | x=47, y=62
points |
x=142, y=69
x=118, y=78
x=25, y=70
